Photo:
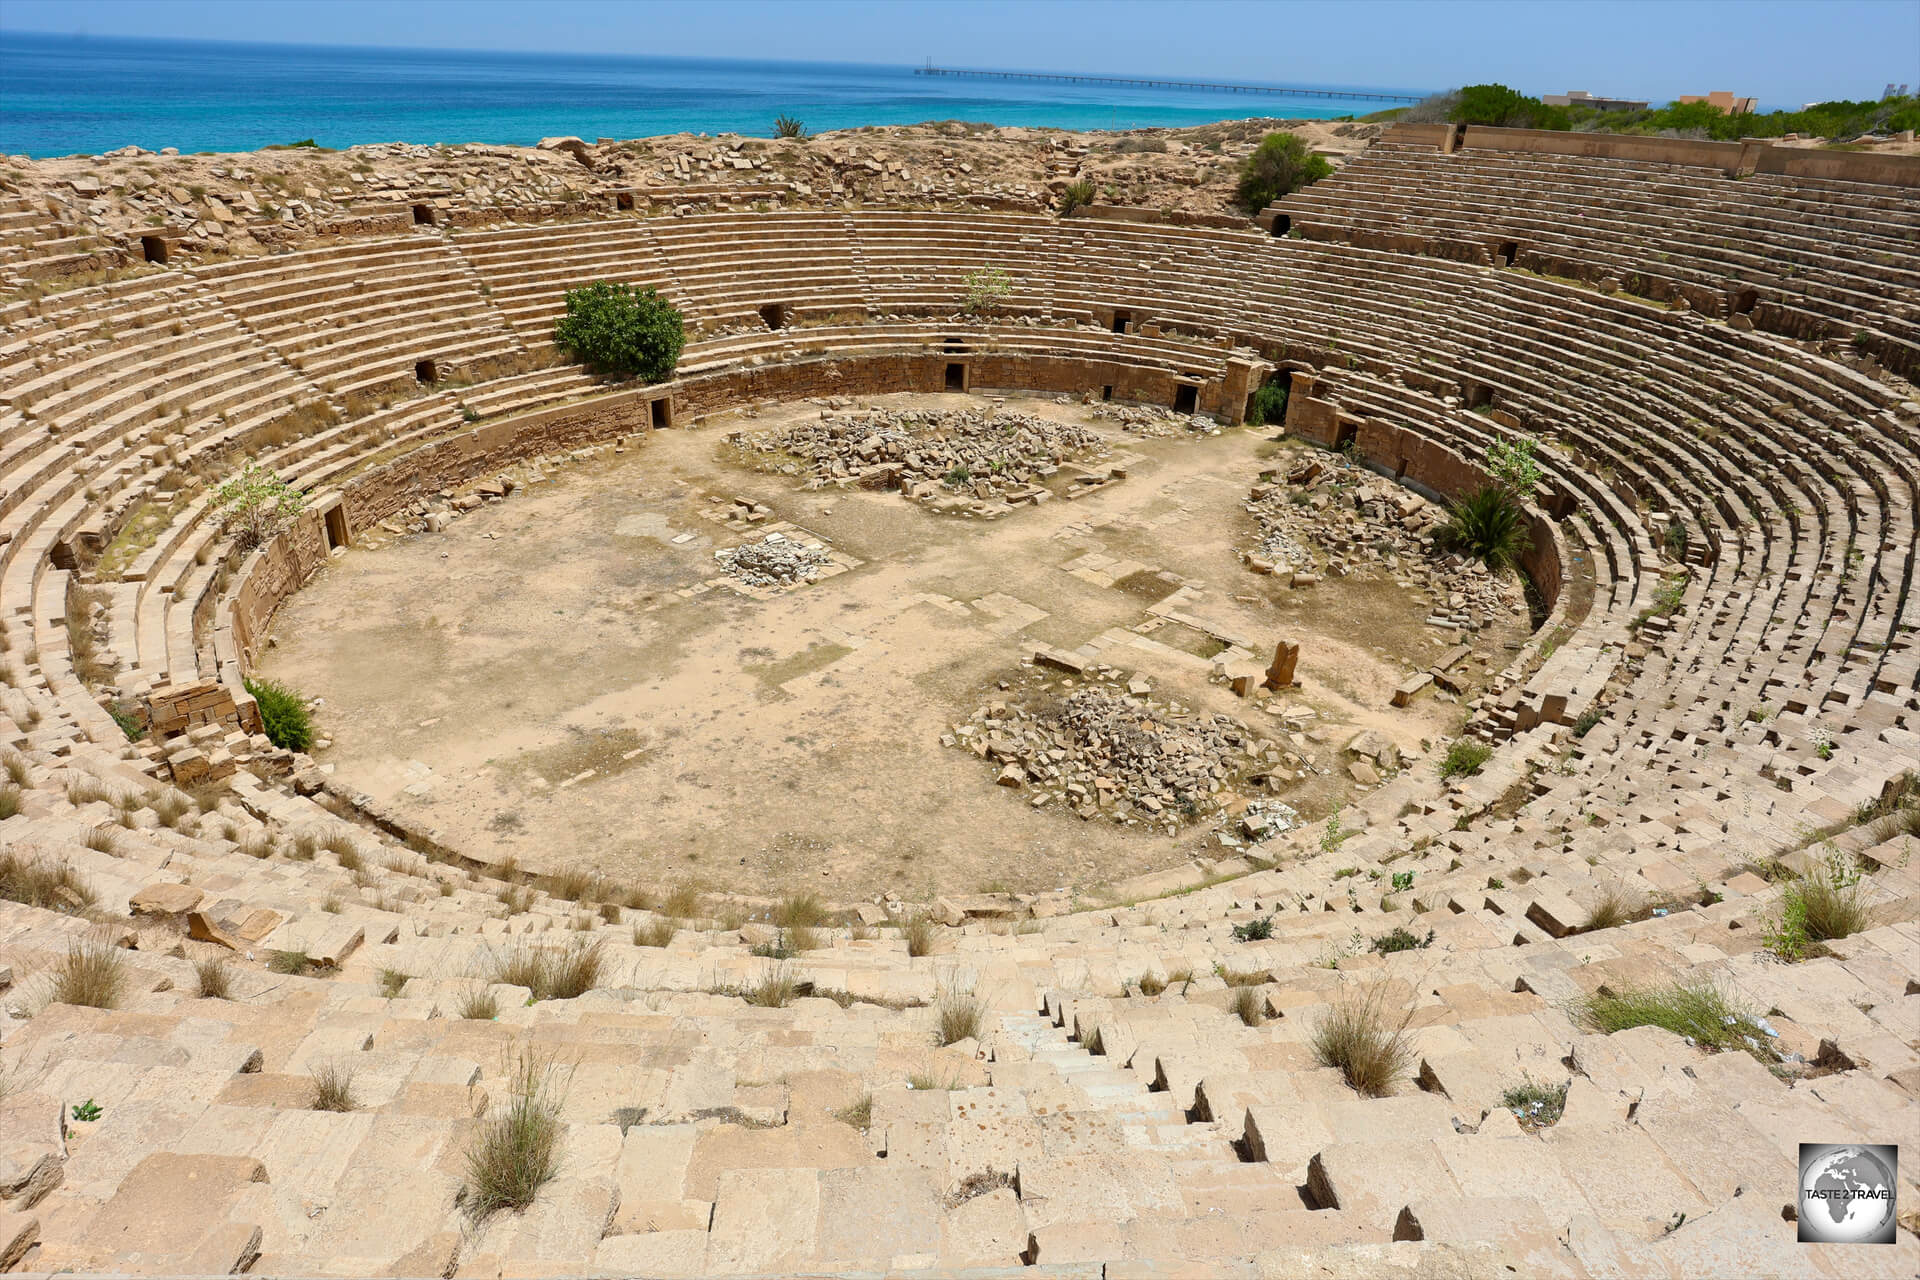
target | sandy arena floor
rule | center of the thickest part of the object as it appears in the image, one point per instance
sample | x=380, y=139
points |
x=535, y=682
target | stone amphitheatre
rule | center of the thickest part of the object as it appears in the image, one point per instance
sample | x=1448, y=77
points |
x=932, y=788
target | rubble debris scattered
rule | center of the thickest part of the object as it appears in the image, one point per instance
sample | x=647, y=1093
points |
x=1151, y=421
x=774, y=561
x=980, y=453
x=1321, y=515
x=1105, y=753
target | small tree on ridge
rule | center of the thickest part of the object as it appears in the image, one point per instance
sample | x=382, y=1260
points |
x=1279, y=166
x=621, y=330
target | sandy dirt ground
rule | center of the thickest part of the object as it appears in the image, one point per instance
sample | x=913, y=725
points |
x=552, y=679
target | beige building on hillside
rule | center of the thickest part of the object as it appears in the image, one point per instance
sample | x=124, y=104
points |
x=1723, y=100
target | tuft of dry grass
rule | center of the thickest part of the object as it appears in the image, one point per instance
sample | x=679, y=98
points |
x=801, y=911
x=775, y=989
x=1249, y=1006
x=550, y=973
x=332, y=1088
x=293, y=963
x=857, y=1115
x=1151, y=984
x=655, y=933
x=171, y=807
x=51, y=886
x=573, y=886
x=19, y=768
x=478, y=1005
x=516, y=1150
x=86, y=790
x=921, y=934
x=958, y=1016
x=1360, y=1037
x=1615, y=906
x=683, y=902
x=213, y=979
x=93, y=974
x=393, y=982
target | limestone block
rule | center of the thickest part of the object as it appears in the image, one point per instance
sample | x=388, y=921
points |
x=164, y=899
x=987, y=1231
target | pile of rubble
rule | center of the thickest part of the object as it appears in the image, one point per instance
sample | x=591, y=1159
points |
x=1152, y=421
x=774, y=561
x=988, y=453
x=1106, y=752
x=1327, y=516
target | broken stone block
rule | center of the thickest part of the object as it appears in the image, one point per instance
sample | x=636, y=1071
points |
x=1411, y=688
x=164, y=900
x=1285, y=656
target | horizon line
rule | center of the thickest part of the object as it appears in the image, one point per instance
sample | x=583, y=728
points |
x=85, y=36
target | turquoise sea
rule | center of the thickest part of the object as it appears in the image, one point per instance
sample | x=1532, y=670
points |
x=61, y=95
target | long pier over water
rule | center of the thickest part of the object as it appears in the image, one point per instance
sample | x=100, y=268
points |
x=1210, y=86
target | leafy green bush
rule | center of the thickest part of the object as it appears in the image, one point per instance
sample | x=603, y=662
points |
x=283, y=714
x=1497, y=105
x=1511, y=463
x=985, y=290
x=1258, y=929
x=256, y=505
x=1464, y=758
x=1279, y=166
x=788, y=127
x=1489, y=526
x=621, y=330
x=1401, y=939
x=1268, y=405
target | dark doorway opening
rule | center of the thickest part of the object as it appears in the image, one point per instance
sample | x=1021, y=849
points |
x=153, y=248
x=1186, y=399
x=1121, y=319
x=661, y=412
x=1282, y=223
x=956, y=377
x=623, y=201
x=775, y=315
x=1510, y=250
x=1106, y=392
x=336, y=527
x=425, y=371
x=1348, y=434
x=424, y=215
x=1743, y=302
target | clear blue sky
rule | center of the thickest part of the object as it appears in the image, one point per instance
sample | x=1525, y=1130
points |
x=1783, y=53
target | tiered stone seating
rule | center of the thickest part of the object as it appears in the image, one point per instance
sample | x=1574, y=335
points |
x=1123, y=1105
x=365, y=316
x=1815, y=257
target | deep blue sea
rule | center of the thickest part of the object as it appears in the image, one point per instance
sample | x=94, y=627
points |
x=60, y=95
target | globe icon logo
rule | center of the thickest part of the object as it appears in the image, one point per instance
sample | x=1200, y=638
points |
x=1847, y=1193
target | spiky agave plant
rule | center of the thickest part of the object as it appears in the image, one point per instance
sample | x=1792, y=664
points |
x=1489, y=526
x=788, y=127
